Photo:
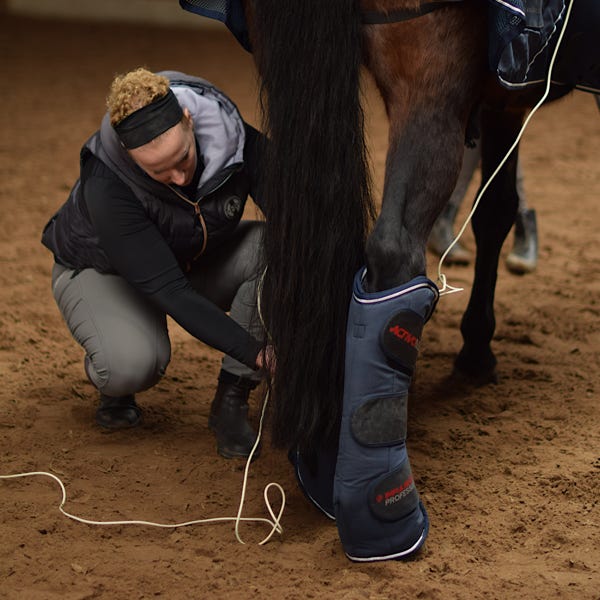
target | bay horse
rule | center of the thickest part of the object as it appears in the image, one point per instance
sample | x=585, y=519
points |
x=344, y=299
x=345, y=295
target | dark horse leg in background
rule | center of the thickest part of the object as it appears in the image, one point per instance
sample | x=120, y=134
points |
x=576, y=64
x=491, y=224
x=501, y=120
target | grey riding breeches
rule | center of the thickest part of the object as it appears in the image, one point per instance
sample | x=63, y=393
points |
x=125, y=337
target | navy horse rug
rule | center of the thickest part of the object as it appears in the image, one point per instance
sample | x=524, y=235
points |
x=522, y=38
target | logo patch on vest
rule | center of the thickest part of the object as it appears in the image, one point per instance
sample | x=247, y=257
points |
x=394, y=496
x=400, y=338
x=232, y=207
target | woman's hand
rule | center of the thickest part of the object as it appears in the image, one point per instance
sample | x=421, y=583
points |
x=266, y=360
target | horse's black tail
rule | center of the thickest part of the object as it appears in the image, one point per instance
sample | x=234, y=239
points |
x=317, y=203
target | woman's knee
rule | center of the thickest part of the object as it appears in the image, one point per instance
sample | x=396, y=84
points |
x=127, y=370
x=125, y=337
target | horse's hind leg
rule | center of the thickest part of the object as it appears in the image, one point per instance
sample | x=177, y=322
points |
x=492, y=221
x=428, y=97
x=430, y=76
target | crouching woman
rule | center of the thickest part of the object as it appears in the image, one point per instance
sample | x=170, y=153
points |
x=152, y=228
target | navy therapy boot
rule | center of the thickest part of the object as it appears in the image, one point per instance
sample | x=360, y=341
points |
x=377, y=508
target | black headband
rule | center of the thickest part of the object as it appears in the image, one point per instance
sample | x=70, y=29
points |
x=148, y=122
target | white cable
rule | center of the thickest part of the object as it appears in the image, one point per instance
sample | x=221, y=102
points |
x=276, y=519
x=276, y=527
x=134, y=522
x=445, y=288
x=274, y=523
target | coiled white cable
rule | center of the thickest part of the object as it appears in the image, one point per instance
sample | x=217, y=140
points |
x=274, y=522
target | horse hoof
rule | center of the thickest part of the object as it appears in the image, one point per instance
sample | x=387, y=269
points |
x=478, y=372
x=475, y=379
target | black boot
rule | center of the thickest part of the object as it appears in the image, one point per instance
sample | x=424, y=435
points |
x=523, y=258
x=119, y=412
x=229, y=417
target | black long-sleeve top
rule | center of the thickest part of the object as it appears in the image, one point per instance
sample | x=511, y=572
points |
x=139, y=253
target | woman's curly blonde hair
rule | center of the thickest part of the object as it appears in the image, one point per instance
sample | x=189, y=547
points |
x=132, y=91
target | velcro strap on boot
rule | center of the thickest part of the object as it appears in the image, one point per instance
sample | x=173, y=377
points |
x=380, y=421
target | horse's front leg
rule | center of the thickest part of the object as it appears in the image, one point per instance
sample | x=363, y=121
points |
x=428, y=73
x=376, y=505
x=378, y=508
x=428, y=99
x=421, y=171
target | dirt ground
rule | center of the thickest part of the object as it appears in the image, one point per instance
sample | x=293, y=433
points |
x=509, y=472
